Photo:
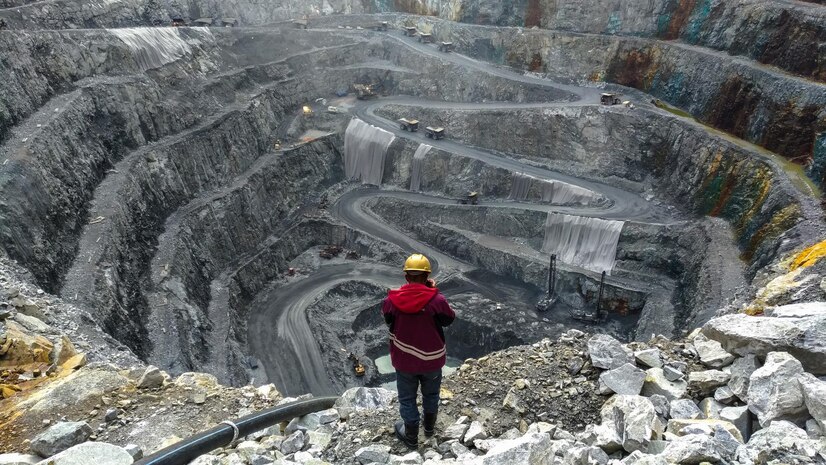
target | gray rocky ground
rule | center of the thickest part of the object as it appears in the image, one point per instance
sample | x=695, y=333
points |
x=177, y=197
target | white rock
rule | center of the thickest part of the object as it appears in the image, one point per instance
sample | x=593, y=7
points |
x=530, y=449
x=711, y=352
x=685, y=409
x=651, y=358
x=293, y=443
x=375, y=453
x=18, y=459
x=362, y=398
x=774, y=391
x=804, y=338
x=724, y=395
x=692, y=449
x=640, y=458
x=206, y=460
x=800, y=310
x=656, y=383
x=412, y=458
x=455, y=431
x=705, y=382
x=625, y=380
x=151, y=378
x=60, y=437
x=607, y=352
x=475, y=431
x=634, y=419
x=776, y=442
x=701, y=426
x=134, y=450
x=90, y=453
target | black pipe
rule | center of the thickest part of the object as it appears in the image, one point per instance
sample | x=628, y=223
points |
x=189, y=449
x=552, y=277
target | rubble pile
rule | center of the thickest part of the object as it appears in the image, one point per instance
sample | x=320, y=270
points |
x=742, y=389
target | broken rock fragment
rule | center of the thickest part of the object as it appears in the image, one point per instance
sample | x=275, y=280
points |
x=607, y=352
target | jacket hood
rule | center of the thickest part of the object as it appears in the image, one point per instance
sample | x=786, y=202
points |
x=411, y=298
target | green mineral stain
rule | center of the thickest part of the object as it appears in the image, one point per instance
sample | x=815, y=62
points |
x=698, y=18
x=614, y=23
x=796, y=173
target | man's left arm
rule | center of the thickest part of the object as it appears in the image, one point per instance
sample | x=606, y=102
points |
x=444, y=315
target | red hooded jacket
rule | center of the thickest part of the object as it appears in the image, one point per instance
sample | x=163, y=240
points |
x=416, y=315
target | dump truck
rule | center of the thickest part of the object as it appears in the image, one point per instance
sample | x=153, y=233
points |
x=609, y=99
x=426, y=38
x=301, y=23
x=411, y=125
x=381, y=27
x=229, y=22
x=358, y=368
x=472, y=198
x=364, y=91
x=434, y=133
x=410, y=31
x=203, y=22
x=446, y=47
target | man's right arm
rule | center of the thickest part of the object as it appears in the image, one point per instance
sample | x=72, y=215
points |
x=444, y=315
x=387, y=313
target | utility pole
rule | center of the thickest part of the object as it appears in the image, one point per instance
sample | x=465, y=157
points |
x=599, y=298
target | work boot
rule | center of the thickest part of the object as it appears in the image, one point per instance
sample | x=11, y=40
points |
x=408, y=433
x=429, y=424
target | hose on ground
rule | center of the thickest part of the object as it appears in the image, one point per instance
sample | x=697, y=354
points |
x=225, y=433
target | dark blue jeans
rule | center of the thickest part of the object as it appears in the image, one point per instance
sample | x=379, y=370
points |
x=408, y=386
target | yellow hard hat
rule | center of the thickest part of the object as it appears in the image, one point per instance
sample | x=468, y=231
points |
x=417, y=262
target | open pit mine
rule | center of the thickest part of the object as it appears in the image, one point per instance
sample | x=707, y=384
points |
x=204, y=203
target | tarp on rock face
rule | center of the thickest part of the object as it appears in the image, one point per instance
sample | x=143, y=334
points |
x=365, y=148
x=589, y=243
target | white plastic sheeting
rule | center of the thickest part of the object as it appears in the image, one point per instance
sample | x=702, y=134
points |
x=153, y=47
x=365, y=148
x=416, y=166
x=555, y=192
x=589, y=243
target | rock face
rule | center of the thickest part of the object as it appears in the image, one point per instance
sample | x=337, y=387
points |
x=804, y=338
x=60, y=437
x=608, y=353
x=774, y=391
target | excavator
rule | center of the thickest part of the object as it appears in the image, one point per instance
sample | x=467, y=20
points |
x=358, y=368
x=364, y=91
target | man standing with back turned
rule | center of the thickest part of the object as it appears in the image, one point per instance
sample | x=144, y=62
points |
x=416, y=315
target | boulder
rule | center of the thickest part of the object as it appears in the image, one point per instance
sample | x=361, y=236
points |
x=374, y=453
x=711, y=408
x=780, y=442
x=711, y=352
x=412, y=458
x=800, y=310
x=814, y=396
x=739, y=417
x=151, y=378
x=661, y=405
x=530, y=449
x=60, y=437
x=640, y=458
x=684, y=409
x=294, y=443
x=774, y=391
x=18, y=459
x=656, y=383
x=634, y=420
x=705, y=382
x=475, y=431
x=680, y=427
x=724, y=395
x=608, y=353
x=625, y=380
x=362, y=398
x=134, y=450
x=651, y=358
x=692, y=449
x=741, y=371
x=727, y=443
x=804, y=338
x=88, y=453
